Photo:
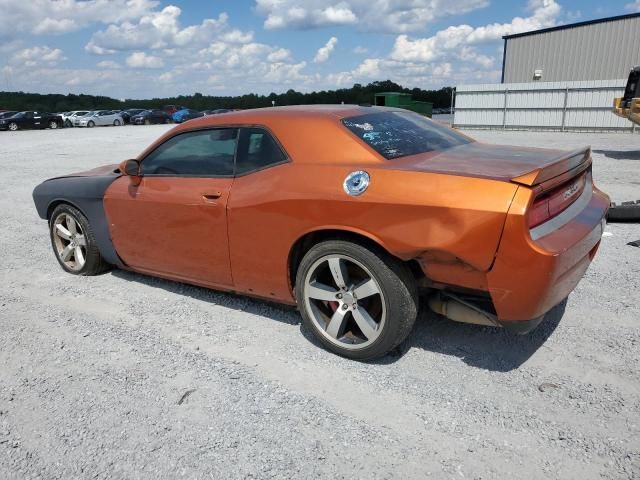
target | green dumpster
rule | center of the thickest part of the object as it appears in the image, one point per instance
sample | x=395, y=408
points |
x=402, y=100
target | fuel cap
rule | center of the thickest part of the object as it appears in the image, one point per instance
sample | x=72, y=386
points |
x=356, y=183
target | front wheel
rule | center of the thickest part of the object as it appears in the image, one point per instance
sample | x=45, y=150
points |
x=13, y=126
x=53, y=125
x=359, y=302
x=91, y=124
x=74, y=243
x=116, y=123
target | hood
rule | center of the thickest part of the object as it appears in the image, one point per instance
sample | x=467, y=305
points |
x=528, y=166
x=101, y=171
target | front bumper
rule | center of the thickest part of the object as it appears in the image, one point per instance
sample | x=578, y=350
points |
x=534, y=272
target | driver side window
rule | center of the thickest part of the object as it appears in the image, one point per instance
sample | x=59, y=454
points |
x=204, y=153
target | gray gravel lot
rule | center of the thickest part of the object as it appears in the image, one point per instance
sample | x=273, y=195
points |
x=92, y=369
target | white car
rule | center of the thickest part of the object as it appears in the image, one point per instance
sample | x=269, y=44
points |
x=100, y=118
x=69, y=117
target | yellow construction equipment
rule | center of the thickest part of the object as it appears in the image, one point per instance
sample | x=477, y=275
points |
x=628, y=106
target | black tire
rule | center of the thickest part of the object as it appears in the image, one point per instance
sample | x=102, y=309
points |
x=396, y=282
x=94, y=263
x=91, y=124
x=116, y=123
x=624, y=212
x=68, y=124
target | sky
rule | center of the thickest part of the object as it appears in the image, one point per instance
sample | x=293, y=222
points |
x=157, y=48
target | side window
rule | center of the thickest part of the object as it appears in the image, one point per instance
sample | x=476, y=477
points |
x=201, y=153
x=258, y=149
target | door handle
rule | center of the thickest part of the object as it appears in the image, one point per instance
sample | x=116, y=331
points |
x=211, y=196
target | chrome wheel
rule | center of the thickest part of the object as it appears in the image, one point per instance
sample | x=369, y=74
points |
x=53, y=125
x=345, y=301
x=13, y=126
x=70, y=242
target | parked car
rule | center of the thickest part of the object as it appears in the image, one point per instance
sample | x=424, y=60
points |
x=149, y=117
x=185, y=114
x=127, y=114
x=30, y=119
x=349, y=212
x=216, y=111
x=69, y=117
x=171, y=109
x=99, y=118
x=7, y=114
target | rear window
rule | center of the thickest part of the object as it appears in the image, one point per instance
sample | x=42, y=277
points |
x=399, y=134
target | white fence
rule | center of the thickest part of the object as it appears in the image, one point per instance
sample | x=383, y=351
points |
x=565, y=106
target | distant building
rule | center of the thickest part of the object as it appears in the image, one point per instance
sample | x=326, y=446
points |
x=602, y=49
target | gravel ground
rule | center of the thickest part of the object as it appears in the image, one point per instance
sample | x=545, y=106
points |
x=126, y=376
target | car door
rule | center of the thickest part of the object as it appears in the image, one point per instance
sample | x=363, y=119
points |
x=32, y=120
x=102, y=119
x=174, y=223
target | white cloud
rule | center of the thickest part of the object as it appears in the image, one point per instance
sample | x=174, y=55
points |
x=142, y=60
x=633, y=6
x=324, y=53
x=108, y=64
x=370, y=15
x=37, y=56
x=452, y=55
x=279, y=55
x=360, y=50
x=161, y=30
x=453, y=39
x=61, y=16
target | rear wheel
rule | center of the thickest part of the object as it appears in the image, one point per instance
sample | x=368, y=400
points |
x=74, y=243
x=68, y=124
x=53, y=124
x=91, y=124
x=147, y=121
x=116, y=123
x=358, y=302
x=13, y=126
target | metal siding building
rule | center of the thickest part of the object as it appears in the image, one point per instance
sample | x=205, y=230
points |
x=603, y=49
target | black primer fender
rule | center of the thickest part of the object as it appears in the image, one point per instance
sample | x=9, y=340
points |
x=87, y=195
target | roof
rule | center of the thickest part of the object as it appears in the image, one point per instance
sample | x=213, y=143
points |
x=573, y=25
x=256, y=115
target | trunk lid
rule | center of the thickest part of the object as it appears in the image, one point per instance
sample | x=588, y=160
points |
x=522, y=165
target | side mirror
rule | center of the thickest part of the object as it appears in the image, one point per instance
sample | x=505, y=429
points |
x=131, y=168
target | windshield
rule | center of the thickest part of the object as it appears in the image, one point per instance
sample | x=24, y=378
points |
x=399, y=134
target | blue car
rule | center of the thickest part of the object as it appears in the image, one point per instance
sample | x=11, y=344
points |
x=185, y=114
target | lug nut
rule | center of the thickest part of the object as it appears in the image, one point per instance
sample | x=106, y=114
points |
x=345, y=306
x=355, y=305
x=339, y=295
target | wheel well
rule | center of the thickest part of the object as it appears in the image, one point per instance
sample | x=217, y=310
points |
x=304, y=244
x=52, y=206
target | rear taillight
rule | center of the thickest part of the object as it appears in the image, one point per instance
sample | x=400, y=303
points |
x=549, y=204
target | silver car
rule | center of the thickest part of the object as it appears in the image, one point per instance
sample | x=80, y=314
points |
x=100, y=118
x=69, y=117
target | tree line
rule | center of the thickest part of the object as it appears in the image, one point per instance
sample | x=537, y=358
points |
x=358, y=94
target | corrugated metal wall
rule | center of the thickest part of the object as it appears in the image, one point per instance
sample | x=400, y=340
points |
x=599, y=51
x=561, y=106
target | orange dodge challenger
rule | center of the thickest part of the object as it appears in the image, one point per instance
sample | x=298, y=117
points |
x=349, y=212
